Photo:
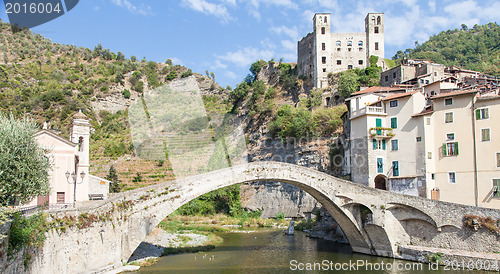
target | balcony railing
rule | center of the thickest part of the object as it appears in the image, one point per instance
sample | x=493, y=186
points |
x=381, y=132
x=368, y=110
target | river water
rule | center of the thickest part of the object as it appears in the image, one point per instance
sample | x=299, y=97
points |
x=273, y=252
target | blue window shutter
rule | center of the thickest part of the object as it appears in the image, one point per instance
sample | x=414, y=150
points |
x=395, y=168
x=380, y=165
x=383, y=144
x=374, y=144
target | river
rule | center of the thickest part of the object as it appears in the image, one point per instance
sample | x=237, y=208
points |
x=273, y=252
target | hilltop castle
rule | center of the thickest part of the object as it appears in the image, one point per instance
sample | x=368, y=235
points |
x=322, y=52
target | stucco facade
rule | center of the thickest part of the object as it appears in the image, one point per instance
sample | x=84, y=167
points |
x=322, y=52
x=69, y=156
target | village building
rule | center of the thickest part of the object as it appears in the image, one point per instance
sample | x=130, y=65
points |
x=321, y=52
x=70, y=164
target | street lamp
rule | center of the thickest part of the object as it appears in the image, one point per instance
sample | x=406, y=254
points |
x=74, y=181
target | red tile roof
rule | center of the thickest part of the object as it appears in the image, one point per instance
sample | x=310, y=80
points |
x=398, y=95
x=376, y=89
x=455, y=93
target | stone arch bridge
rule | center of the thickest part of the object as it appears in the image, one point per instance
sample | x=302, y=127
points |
x=374, y=221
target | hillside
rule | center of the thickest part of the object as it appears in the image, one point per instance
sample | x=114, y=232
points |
x=51, y=82
x=477, y=48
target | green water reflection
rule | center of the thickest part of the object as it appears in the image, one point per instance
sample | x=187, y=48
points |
x=274, y=252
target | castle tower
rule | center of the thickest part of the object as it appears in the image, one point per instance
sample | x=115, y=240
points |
x=374, y=28
x=322, y=46
x=80, y=134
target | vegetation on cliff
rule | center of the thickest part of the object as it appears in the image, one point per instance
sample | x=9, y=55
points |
x=476, y=48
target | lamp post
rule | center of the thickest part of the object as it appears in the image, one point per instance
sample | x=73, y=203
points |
x=74, y=181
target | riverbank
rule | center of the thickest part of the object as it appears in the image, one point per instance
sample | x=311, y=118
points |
x=189, y=234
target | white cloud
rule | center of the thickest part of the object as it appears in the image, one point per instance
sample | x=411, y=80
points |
x=218, y=10
x=290, y=32
x=218, y=65
x=246, y=56
x=141, y=10
x=432, y=5
x=230, y=74
x=254, y=6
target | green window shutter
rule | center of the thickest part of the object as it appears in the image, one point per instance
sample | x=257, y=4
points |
x=478, y=114
x=496, y=187
x=394, y=122
x=380, y=165
x=378, y=123
x=383, y=144
x=444, y=150
x=456, y=148
x=395, y=168
x=374, y=144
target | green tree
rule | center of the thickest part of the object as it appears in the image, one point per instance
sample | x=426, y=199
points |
x=114, y=186
x=24, y=165
x=348, y=83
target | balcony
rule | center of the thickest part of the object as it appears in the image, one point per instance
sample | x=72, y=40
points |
x=368, y=110
x=381, y=132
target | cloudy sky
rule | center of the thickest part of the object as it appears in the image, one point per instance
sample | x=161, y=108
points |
x=226, y=36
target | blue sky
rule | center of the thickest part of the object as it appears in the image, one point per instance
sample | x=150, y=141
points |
x=226, y=36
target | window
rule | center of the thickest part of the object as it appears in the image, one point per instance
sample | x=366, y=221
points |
x=60, y=197
x=379, y=144
x=422, y=81
x=339, y=62
x=379, y=20
x=448, y=117
x=326, y=21
x=450, y=136
x=349, y=49
x=393, y=103
x=428, y=121
x=498, y=159
x=338, y=49
x=433, y=176
x=324, y=69
x=394, y=145
x=451, y=177
x=419, y=139
x=376, y=45
x=338, y=43
x=360, y=43
x=448, y=101
x=349, y=43
x=433, y=93
x=426, y=82
x=496, y=188
x=323, y=30
x=386, y=78
x=394, y=122
x=323, y=46
x=450, y=149
x=395, y=168
x=360, y=62
x=482, y=113
x=323, y=60
x=429, y=155
x=360, y=49
x=394, y=75
x=349, y=67
x=485, y=134
x=380, y=165
x=376, y=29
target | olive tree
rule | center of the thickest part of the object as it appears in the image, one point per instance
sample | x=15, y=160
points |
x=24, y=165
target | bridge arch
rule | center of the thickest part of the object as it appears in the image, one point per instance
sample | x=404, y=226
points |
x=331, y=192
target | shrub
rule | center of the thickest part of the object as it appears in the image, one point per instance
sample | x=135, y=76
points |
x=187, y=74
x=126, y=93
x=171, y=76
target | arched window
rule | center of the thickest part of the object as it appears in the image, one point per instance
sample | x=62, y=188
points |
x=360, y=43
x=323, y=31
x=338, y=43
x=349, y=43
x=379, y=20
x=326, y=21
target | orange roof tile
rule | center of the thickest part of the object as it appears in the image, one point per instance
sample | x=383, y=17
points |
x=399, y=95
x=376, y=89
x=455, y=93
